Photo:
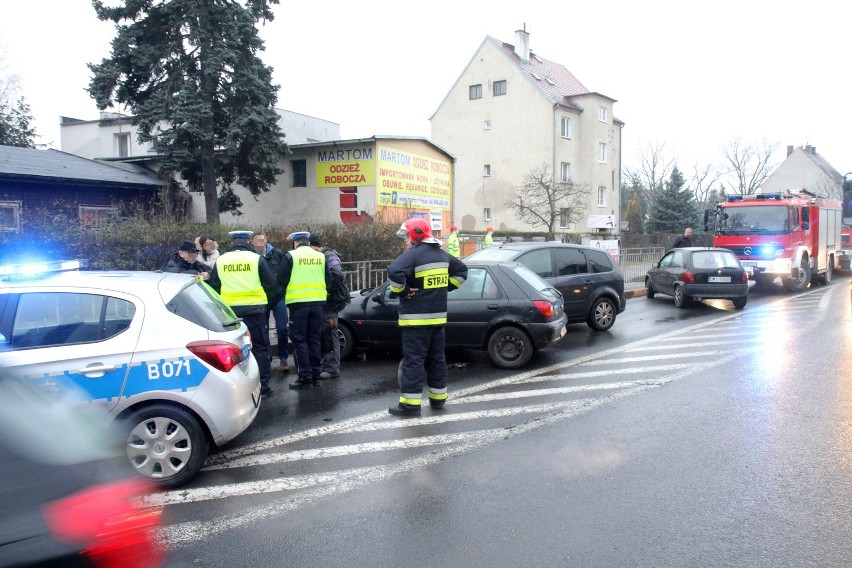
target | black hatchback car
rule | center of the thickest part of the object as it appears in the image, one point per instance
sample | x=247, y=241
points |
x=502, y=307
x=698, y=273
x=590, y=281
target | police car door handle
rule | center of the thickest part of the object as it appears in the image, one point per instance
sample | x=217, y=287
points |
x=96, y=369
x=493, y=306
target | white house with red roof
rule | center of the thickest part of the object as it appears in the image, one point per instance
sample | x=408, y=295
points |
x=511, y=110
x=805, y=169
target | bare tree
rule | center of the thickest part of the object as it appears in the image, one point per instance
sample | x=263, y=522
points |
x=540, y=201
x=655, y=166
x=748, y=164
x=704, y=184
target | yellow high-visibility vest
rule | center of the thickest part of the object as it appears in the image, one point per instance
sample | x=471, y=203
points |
x=240, y=278
x=307, y=279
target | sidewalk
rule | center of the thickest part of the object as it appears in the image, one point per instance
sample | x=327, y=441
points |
x=634, y=289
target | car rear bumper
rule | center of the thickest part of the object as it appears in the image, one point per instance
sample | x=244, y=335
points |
x=716, y=290
x=543, y=334
x=230, y=403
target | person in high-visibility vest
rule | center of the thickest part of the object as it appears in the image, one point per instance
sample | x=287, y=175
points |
x=421, y=277
x=488, y=240
x=305, y=276
x=244, y=280
x=453, y=245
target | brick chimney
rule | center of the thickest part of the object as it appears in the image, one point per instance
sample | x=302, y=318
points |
x=810, y=149
x=789, y=150
x=522, y=44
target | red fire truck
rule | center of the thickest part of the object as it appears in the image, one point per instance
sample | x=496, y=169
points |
x=794, y=236
x=846, y=220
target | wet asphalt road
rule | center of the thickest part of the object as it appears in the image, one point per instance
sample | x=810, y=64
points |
x=696, y=437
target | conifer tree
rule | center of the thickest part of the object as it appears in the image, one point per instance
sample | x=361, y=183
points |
x=674, y=207
x=189, y=72
x=15, y=129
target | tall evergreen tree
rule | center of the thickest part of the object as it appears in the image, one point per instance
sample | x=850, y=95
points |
x=674, y=207
x=634, y=215
x=190, y=74
x=15, y=129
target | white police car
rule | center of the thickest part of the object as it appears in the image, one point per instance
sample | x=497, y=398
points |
x=161, y=352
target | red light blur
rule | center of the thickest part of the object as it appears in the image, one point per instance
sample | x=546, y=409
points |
x=220, y=355
x=109, y=524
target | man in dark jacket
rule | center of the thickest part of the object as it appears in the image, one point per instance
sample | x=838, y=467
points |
x=684, y=240
x=277, y=306
x=330, y=341
x=243, y=279
x=421, y=277
x=185, y=261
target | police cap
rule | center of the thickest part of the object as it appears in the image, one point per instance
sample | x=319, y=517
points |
x=240, y=234
x=299, y=236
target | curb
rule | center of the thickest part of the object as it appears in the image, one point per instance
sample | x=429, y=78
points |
x=634, y=293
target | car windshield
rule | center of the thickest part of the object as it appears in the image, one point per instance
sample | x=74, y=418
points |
x=494, y=253
x=201, y=305
x=714, y=259
x=536, y=281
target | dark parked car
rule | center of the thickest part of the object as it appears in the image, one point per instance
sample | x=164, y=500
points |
x=698, y=273
x=590, y=280
x=502, y=307
x=67, y=497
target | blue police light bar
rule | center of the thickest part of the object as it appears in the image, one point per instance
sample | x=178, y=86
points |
x=36, y=268
x=735, y=198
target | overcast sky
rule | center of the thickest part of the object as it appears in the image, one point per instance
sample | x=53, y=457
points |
x=692, y=76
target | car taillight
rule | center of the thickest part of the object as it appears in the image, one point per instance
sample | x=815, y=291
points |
x=745, y=277
x=688, y=278
x=220, y=355
x=109, y=524
x=546, y=308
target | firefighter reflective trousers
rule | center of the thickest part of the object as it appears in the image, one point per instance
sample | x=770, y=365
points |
x=423, y=361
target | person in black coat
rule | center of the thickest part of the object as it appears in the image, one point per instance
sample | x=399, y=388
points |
x=684, y=240
x=185, y=261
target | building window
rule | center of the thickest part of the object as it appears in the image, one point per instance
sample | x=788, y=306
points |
x=563, y=218
x=486, y=170
x=486, y=214
x=475, y=92
x=565, y=172
x=10, y=216
x=566, y=127
x=122, y=145
x=95, y=215
x=601, y=153
x=499, y=88
x=487, y=125
x=300, y=175
x=601, y=196
x=602, y=114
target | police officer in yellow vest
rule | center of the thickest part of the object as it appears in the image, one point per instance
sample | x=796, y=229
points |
x=305, y=277
x=244, y=280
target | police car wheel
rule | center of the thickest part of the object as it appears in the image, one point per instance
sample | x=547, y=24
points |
x=510, y=348
x=602, y=314
x=165, y=444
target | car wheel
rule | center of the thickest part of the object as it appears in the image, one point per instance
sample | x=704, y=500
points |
x=510, y=348
x=649, y=289
x=602, y=315
x=680, y=298
x=347, y=341
x=165, y=443
x=740, y=303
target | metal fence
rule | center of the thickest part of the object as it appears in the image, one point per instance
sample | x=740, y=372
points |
x=634, y=262
x=366, y=273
